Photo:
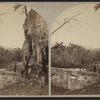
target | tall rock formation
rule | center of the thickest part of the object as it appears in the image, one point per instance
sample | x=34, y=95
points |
x=35, y=46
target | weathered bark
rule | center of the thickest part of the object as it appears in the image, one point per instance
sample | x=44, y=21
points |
x=35, y=51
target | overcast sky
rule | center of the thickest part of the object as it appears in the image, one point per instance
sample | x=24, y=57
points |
x=11, y=26
x=84, y=30
x=11, y=30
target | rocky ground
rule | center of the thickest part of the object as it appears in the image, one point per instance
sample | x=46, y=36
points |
x=23, y=87
x=89, y=90
x=92, y=89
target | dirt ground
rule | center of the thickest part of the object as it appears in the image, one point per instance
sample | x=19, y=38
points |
x=25, y=87
x=22, y=86
x=89, y=90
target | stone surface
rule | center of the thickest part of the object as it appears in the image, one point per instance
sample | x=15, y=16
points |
x=72, y=79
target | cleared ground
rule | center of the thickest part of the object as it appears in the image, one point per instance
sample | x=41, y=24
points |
x=21, y=86
x=25, y=88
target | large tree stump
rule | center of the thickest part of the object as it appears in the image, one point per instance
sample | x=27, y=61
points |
x=35, y=46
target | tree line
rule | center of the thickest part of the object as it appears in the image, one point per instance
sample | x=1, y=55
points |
x=73, y=56
x=7, y=56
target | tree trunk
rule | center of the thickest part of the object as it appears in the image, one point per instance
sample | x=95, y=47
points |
x=25, y=10
x=34, y=47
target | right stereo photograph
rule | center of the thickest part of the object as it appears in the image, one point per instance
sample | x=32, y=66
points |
x=75, y=51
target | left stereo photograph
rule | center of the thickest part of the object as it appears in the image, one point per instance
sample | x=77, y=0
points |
x=23, y=51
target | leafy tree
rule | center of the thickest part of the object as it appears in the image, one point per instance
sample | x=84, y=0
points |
x=7, y=56
x=74, y=56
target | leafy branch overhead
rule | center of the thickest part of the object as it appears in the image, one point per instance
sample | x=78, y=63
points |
x=16, y=7
x=97, y=6
x=24, y=8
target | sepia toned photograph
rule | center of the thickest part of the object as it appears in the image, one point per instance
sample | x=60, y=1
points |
x=75, y=51
x=49, y=49
x=23, y=51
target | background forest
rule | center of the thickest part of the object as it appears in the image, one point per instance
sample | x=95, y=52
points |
x=7, y=56
x=74, y=56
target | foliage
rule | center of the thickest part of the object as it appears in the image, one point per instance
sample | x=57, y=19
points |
x=9, y=55
x=73, y=56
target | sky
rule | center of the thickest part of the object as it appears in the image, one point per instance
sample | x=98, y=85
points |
x=84, y=30
x=50, y=10
x=11, y=30
x=11, y=27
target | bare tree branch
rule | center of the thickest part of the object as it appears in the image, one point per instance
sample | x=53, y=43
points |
x=70, y=24
x=25, y=10
x=17, y=6
x=4, y=12
x=66, y=22
x=58, y=22
x=76, y=20
x=57, y=45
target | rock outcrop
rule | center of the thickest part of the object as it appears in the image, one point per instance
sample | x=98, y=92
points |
x=35, y=46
